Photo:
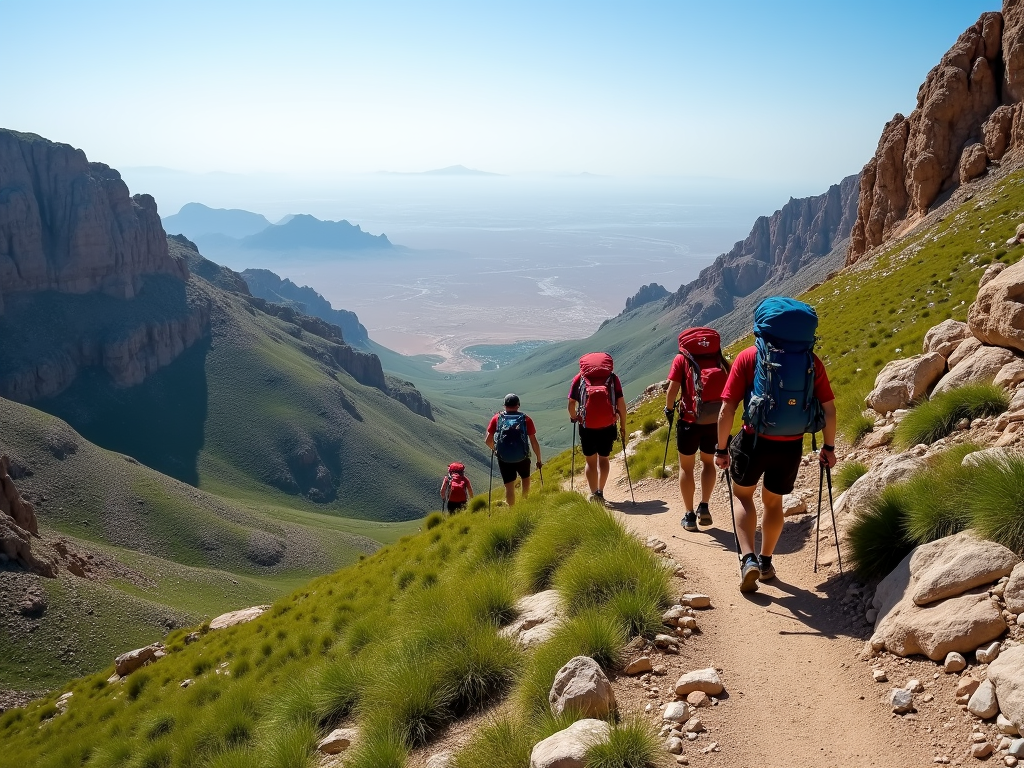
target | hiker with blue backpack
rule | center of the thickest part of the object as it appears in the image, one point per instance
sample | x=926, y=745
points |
x=596, y=403
x=785, y=393
x=695, y=382
x=510, y=435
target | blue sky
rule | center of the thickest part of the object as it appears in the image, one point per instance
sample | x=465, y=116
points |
x=794, y=91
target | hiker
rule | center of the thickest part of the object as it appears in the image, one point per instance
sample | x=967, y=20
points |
x=695, y=381
x=785, y=393
x=595, y=403
x=456, y=489
x=510, y=436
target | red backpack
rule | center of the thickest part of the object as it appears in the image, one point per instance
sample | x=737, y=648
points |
x=458, y=490
x=597, y=391
x=701, y=397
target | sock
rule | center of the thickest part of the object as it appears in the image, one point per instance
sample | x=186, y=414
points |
x=766, y=560
x=748, y=556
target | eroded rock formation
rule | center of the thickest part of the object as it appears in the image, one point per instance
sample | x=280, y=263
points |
x=968, y=116
x=18, y=527
x=645, y=295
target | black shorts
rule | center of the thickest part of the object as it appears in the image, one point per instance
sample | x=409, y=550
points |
x=455, y=506
x=509, y=472
x=598, y=441
x=691, y=437
x=777, y=460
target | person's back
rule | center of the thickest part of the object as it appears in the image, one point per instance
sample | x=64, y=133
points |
x=596, y=402
x=456, y=489
x=510, y=436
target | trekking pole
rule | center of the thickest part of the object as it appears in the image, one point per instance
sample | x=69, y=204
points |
x=447, y=492
x=540, y=471
x=572, y=470
x=835, y=530
x=817, y=526
x=625, y=460
x=490, y=480
x=668, y=437
x=732, y=511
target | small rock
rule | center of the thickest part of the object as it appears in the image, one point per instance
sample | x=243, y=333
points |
x=186, y=683
x=1017, y=748
x=674, y=746
x=698, y=699
x=988, y=654
x=1010, y=761
x=706, y=680
x=1004, y=743
x=914, y=686
x=941, y=760
x=688, y=622
x=901, y=700
x=441, y=759
x=337, y=741
x=967, y=686
x=676, y=711
x=639, y=666
x=954, y=663
x=696, y=601
x=582, y=686
x=879, y=676
x=978, y=737
x=568, y=748
x=1005, y=725
x=983, y=702
x=667, y=643
x=870, y=615
x=981, y=751
x=691, y=737
x=694, y=725
x=660, y=669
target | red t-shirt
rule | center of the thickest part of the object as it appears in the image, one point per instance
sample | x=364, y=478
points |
x=677, y=372
x=574, y=388
x=493, y=426
x=741, y=379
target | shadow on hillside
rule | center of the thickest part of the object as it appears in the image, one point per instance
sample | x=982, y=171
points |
x=651, y=507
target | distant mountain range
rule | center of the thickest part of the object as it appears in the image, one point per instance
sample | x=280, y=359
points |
x=451, y=170
x=227, y=229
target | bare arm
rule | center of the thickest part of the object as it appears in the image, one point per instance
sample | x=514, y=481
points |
x=443, y=484
x=573, y=409
x=725, y=419
x=620, y=406
x=829, y=433
x=489, y=441
x=469, y=488
x=671, y=394
x=536, y=449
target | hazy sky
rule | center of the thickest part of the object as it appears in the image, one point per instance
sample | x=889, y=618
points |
x=746, y=90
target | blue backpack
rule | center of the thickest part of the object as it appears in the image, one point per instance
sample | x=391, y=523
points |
x=511, y=442
x=782, y=400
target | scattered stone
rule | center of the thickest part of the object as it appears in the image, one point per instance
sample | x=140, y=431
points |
x=538, y=616
x=712, y=747
x=941, y=760
x=1013, y=591
x=667, y=643
x=441, y=759
x=879, y=676
x=639, y=666
x=901, y=700
x=966, y=686
x=978, y=737
x=982, y=750
x=186, y=682
x=1007, y=675
x=793, y=505
x=988, y=654
x=674, y=746
x=870, y=615
x=706, y=680
x=1005, y=725
x=698, y=699
x=1016, y=748
x=696, y=601
x=983, y=703
x=337, y=741
x=954, y=663
x=694, y=725
x=582, y=686
x=660, y=670
x=232, y=618
x=676, y=712
x=673, y=615
x=568, y=748
x=1010, y=761
x=914, y=686
x=928, y=698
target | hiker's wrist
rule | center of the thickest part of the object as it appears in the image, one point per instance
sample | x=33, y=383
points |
x=829, y=448
x=721, y=451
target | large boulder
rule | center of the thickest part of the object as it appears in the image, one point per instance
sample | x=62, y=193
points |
x=997, y=315
x=982, y=367
x=1007, y=675
x=945, y=337
x=232, y=618
x=582, y=687
x=965, y=349
x=958, y=624
x=568, y=748
x=1013, y=593
x=901, y=382
x=128, y=662
x=539, y=615
x=894, y=469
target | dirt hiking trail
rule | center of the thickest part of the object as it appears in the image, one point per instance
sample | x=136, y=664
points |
x=797, y=693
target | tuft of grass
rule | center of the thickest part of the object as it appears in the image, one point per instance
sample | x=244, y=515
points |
x=290, y=747
x=938, y=497
x=379, y=748
x=503, y=743
x=877, y=537
x=433, y=520
x=625, y=566
x=936, y=418
x=997, y=501
x=649, y=458
x=649, y=425
x=631, y=744
x=848, y=474
x=505, y=535
x=478, y=503
x=338, y=691
x=481, y=667
x=491, y=597
x=857, y=426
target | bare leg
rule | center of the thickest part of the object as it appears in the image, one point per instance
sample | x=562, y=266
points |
x=771, y=522
x=603, y=466
x=746, y=517
x=510, y=493
x=526, y=486
x=708, y=473
x=687, y=483
x=591, y=472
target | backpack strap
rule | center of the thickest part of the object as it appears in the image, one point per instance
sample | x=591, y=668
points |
x=698, y=388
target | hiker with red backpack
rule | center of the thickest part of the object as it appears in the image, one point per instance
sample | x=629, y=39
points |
x=456, y=490
x=786, y=393
x=510, y=435
x=695, y=382
x=595, y=404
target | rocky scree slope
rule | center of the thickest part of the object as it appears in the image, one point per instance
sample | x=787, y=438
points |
x=969, y=116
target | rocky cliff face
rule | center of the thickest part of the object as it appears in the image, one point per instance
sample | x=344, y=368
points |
x=70, y=225
x=18, y=527
x=801, y=231
x=645, y=295
x=968, y=116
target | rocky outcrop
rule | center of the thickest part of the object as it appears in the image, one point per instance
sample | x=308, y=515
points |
x=18, y=527
x=269, y=286
x=581, y=687
x=968, y=116
x=801, y=231
x=645, y=295
x=213, y=273
x=902, y=382
x=539, y=615
x=69, y=225
x=242, y=616
x=997, y=315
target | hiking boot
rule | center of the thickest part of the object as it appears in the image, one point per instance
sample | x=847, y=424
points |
x=704, y=514
x=765, y=566
x=600, y=498
x=594, y=497
x=689, y=522
x=750, y=572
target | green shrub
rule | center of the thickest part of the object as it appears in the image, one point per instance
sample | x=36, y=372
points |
x=379, y=748
x=501, y=743
x=649, y=425
x=433, y=520
x=632, y=744
x=478, y=503
x=625, y=566
x=408, y=696
x=997, y=501
x=877, y=537
x=938, y=497
x=479, y=667
x=338, y=690
x=490, y=596
x=857, y=427
x=936, y=418
x=290, y=747
x=847, y=474
x=507, y=533
x=639, y=611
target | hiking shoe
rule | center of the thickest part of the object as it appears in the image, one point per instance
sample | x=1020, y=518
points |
x=704, y=514
x=595, y=497
x=689, y=522
x=750, y=572
x=767, y=569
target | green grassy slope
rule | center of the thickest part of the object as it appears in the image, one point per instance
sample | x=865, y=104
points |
x=401, y=644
